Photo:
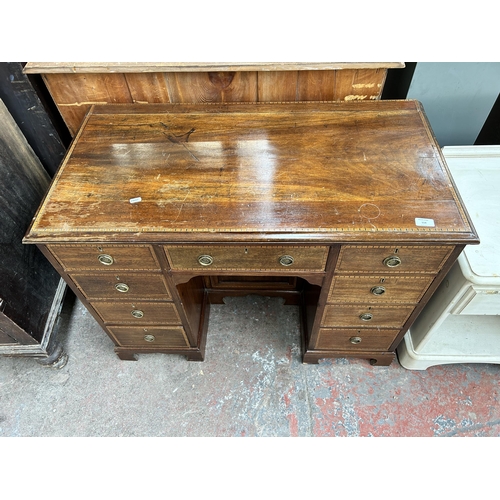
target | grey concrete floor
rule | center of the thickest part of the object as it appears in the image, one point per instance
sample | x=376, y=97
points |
x=252, y=383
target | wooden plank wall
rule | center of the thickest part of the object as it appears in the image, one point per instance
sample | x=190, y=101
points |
x=74, y=92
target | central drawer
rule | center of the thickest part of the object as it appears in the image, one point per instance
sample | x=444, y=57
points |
x=239, y=257
x=281, y=282
x=138, y=312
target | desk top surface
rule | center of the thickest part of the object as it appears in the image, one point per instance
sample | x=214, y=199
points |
x=363, y=171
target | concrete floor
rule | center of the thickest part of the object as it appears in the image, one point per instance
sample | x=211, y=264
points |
x=252, y=383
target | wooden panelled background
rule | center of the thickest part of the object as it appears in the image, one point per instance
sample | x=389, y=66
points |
x=76, y=86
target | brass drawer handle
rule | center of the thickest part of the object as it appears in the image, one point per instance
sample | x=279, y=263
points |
x=366, y=316
x=149, y=338
x=122, y=287
x=286, y=260
x=355, y=340
x=378, y=290
x=105, y=259
x=392, y=261
x=205, y=260
x=137, y=313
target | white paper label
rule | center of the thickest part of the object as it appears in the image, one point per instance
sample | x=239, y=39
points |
x=424, y=222
x=135, y=200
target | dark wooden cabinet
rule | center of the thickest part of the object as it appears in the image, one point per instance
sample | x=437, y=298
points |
x=346, y=209
x=32, y=108
x=31, y=291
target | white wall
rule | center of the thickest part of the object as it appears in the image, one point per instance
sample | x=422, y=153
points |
x=457, y=98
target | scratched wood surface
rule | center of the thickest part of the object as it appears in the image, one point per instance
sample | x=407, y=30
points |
x=76, y=86
x=361, y=170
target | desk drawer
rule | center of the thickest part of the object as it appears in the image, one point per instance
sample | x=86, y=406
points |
x=233, y=258
x=105, y=257
x=126, y=285
x=392, y=259
x=354, y=315
x=137, y=312
x=150, y=336
x=379, y=289
x=351, y=339
x=261, y=281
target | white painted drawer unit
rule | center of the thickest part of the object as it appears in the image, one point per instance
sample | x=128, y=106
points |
x=461, y=322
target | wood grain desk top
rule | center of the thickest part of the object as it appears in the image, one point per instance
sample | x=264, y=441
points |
x=363, y=171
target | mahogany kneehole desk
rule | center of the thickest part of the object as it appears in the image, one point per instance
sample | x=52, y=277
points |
x=345, y=209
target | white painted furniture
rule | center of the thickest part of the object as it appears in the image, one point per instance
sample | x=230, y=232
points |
x=461, y=322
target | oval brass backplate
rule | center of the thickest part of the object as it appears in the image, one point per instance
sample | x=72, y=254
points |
x=205, y=260
x=286, y=260
x=392, y=261
x=366, y=316
x=122, y=287
x=105, y=259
